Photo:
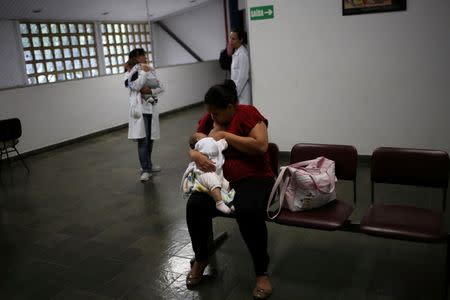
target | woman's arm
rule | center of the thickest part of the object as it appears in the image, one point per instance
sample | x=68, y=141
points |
x=202, y=161
x=256, y=142
x=136, y=82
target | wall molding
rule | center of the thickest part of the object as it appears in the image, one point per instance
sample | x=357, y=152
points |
x=95, y=134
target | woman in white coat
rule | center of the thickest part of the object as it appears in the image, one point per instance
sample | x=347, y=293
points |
x=143, y=123
x=240, y=66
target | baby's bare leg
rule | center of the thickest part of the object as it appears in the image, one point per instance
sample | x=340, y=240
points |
x=215, y=193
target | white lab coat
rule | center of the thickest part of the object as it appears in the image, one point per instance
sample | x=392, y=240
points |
x=240, y=74
x=136, y=124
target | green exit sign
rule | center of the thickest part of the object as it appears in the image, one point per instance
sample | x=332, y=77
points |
x=261, y=12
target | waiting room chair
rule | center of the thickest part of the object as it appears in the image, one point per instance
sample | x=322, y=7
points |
x=335, y=214
x=10, y=132
x=416, y=167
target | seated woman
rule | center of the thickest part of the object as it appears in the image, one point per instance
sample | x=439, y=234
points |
x=247, y=168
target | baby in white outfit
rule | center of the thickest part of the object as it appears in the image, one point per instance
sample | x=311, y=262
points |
x=213, y=182
x=150, y=80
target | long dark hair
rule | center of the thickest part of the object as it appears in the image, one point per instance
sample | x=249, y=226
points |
x=136, y=52
x=132, y=59
x=220, y=95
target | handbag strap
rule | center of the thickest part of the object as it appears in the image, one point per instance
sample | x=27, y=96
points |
x=275, y=187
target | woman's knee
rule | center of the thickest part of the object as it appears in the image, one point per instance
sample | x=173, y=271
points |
x=248, y=215
x=198, y=202
x=142, y=142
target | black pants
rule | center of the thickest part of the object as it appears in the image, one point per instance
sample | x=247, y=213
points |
x=250, y=203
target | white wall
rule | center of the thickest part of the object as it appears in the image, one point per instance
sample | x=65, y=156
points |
x=166, y=51
x=242, y=4
x=11, y=59
x=202, y=30
x=367, y=80
x=54, y=113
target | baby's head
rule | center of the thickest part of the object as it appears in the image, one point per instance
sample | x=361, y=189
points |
x=208, y=146
x=195, y=138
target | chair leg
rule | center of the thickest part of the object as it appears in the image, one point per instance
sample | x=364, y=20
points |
x=21, y=159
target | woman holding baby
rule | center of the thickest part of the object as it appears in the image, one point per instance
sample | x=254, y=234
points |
x=143, y=125
x=247, y=168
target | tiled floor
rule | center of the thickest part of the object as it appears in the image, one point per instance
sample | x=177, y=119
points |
x=81, y=226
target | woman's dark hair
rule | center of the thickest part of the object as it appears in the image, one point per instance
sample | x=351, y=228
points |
x=220, y=95
x=136, y=52
x=242, y=36
x=132, y=58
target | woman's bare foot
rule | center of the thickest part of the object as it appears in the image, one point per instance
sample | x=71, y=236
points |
x=263, y=288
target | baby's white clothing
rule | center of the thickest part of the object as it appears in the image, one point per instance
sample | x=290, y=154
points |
x=213, y=149
x=195, y=179
x=151, y=81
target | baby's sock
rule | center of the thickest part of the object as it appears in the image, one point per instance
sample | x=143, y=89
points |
x=221, y=206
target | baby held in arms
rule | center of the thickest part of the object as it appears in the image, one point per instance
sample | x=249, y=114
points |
x=150, y=79
x=212, y=183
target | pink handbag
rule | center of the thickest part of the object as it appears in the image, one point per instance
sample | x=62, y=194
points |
x=304, y=185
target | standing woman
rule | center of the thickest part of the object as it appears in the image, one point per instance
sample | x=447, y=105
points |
x=240, y=66
x=247, y=168
x=143, y=123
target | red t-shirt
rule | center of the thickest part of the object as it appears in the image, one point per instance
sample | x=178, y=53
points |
x=239, y=165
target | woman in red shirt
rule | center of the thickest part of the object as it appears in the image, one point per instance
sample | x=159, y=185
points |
x=247, y=168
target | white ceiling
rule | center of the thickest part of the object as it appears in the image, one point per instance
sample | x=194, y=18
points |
x=92, y=10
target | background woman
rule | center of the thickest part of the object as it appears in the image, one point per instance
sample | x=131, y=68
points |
x=143, y=123
x=240, y=66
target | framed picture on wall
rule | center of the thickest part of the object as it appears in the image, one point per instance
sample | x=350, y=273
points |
x=354, y=7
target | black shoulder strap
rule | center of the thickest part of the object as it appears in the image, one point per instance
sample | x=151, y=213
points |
x=134, y=76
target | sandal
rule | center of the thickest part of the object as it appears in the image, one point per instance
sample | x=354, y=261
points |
x=192, y=279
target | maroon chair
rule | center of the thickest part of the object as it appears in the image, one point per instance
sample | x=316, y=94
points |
x=428, y=168
x=334, y=215
x=417, y=167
